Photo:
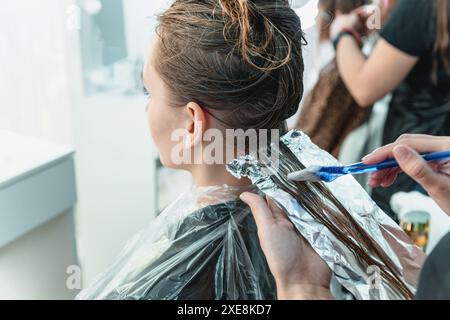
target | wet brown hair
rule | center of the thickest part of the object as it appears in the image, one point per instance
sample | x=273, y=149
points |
x=323, y=206
x=241, y=60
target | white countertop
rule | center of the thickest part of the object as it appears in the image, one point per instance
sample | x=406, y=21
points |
x=37, y=183
x=21, y=155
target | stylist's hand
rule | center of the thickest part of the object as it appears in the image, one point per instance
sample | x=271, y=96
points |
x=434, y=178
x=355, y=20
x=344, y=22
x=298, y=270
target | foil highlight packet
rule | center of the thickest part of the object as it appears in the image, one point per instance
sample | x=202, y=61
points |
x=362, y=282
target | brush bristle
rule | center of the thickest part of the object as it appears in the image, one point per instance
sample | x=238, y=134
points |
x=309, y=174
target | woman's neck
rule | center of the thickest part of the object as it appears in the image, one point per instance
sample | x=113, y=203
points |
x=215, y=175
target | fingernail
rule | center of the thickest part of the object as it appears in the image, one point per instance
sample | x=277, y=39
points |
x=370, y=154
x=244, y=197
x=401, y=153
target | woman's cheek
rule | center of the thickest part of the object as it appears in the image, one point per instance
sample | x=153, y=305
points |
x=153, y=115
x=159, y=126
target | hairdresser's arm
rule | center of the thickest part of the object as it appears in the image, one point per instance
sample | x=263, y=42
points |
x=299, y=272
x=369, y=79
x=435, y=178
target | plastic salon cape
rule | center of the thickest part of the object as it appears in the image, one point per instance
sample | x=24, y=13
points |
x=203, y=246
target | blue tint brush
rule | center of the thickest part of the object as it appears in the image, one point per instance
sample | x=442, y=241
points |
x=329, y=174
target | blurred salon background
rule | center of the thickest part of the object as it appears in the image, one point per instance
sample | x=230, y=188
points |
x=79, y=174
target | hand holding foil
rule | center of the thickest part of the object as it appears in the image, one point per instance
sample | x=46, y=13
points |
x=298, y=270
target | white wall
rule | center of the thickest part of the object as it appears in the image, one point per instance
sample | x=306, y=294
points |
x=140, y=20
x=35, y=100
x=33, y=62
x=115, y=177
x=115, y=159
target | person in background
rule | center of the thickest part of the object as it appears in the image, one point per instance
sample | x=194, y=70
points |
x=299, y=271
x=329, y=112
x=412, y=60
x=318, y=51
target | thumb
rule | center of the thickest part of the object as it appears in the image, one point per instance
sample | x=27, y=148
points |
x=415, y=166
x=260, y=210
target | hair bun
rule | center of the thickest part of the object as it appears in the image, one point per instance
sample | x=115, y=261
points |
x=237, y=10
x=254, y=34
x=239, y=14
x=241, y=59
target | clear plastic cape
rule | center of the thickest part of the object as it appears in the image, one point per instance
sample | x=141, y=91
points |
x=203, y=246
x=361, y=282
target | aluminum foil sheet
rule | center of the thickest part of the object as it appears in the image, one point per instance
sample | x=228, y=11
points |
x=361, y=281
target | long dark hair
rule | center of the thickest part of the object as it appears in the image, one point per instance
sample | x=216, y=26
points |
x=442, y=44
x=321, y=204
x=242, y=61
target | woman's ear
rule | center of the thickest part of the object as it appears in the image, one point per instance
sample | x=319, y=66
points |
x=195, y=124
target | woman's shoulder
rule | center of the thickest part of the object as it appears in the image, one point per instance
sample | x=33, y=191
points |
x=411, y=27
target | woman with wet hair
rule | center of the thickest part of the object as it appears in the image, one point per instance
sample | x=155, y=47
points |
x=214, y=64
x=222, y=64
